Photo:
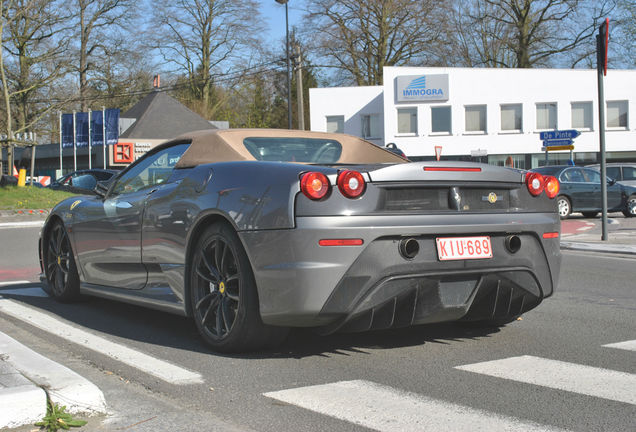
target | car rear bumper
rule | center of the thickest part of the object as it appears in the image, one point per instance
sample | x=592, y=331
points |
x=373, y=286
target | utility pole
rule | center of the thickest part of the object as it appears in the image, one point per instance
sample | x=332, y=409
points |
x=298, y=64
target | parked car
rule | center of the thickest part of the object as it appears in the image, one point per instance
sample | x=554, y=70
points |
x=581, y=192
x=82, y=181
x=250, y=232
x=393, y=148
x=622, y=172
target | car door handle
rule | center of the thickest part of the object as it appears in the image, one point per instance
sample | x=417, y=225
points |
x=123, y=205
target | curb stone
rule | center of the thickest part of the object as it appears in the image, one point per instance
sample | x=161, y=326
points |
x=64, y=386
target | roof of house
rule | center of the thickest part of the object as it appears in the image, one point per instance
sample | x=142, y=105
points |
x=160, y=116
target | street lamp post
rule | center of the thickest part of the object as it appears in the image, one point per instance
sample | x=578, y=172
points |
x=289, y=108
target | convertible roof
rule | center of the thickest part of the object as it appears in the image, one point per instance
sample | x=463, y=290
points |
x=227, y=145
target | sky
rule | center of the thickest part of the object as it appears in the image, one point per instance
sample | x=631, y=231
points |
x=274, y=15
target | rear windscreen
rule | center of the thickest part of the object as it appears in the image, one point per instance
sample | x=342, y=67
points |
x=306, y=150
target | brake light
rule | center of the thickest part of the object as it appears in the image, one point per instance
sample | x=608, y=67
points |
x=452, y=169
x=314, y=185
x=351, y=183
x=535, y=183
x=552, y=186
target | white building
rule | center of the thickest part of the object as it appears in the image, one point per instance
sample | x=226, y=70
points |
x=490, y=115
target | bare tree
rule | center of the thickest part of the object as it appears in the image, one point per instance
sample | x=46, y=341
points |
x=467, y=40
x=536, y=32
x=203, y=39
x=360, y=37
x=97, y=24
x=35, y=48
x=622, y=50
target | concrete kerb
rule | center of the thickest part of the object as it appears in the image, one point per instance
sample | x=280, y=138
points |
x=63, y=386
x=622, y=249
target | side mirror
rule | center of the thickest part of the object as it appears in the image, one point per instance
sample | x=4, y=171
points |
x=611, y=181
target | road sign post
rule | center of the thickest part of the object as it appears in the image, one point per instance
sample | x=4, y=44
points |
x=602, y=40
x=558, y=140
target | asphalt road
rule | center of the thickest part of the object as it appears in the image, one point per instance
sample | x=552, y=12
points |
x=412, y=379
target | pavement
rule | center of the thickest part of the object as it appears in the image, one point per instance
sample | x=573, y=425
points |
x=27, y=378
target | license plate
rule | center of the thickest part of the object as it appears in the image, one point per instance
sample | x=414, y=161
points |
x=459, y=248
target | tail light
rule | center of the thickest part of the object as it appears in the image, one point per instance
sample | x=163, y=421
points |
x=314, y=185
x=552, y=186
x=351, y=183
x=535, y=183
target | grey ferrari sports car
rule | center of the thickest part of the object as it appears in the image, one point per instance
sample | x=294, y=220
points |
x=250, y=232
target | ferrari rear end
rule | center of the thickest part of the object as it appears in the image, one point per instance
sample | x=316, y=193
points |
x=379, y=246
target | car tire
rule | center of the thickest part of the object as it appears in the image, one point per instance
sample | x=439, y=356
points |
x=59, y=265
x=590, y=215
x=564, y=206
x=630, y=208
x=223, y=294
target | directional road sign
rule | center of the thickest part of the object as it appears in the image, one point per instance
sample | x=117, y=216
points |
x=559, y=134
x=555, y=148
x=558, y=142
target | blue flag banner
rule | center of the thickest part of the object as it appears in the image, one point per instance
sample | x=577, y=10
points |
x=81, y=129
x=112, y=126
x=97, y=128
x=67, y=130
x=97, y=122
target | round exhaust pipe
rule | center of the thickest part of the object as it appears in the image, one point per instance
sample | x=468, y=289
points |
x=409, y=248
x=513, y=243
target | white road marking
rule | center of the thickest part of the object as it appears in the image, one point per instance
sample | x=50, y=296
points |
x=384, y=408
x=627, y=345
x=161, y=369
x=22, y=224
x=19, y=282
x=587, y=380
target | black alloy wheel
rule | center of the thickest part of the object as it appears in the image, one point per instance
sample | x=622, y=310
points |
x=630, y=207
x=223, y=294
x=59, y=265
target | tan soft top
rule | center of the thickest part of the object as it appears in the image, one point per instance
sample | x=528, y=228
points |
x=227, y=145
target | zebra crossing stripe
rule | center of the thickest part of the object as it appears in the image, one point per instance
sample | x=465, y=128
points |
x=161, y=369
x=587, y=380
x=627, y=345
x=384, y=408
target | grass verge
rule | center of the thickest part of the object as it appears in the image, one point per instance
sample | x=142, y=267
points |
x=28, y=197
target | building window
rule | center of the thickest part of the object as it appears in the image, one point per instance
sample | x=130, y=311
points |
x=582, y=115
x=617, y=114
x=335, y=124
x=511, y=118
x=407, y=120
x=476, y=118
x=441, y=119
x=547, y=116
x=371, y=126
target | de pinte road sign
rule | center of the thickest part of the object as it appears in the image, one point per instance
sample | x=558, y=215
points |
x=559, y=139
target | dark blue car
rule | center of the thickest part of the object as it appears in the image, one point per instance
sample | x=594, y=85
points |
x=581, y=192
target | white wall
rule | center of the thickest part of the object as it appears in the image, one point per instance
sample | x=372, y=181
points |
x=350, y=102
x=493, y=87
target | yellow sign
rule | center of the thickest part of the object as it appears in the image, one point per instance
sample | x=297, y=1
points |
x=554, y=148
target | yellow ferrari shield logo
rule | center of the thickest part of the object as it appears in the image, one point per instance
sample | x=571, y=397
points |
x=492, y=197
x=75, y=203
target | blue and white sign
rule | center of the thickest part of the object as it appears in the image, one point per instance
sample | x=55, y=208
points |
x=559, y=135
x=558, y=142
x=421, y=88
